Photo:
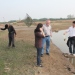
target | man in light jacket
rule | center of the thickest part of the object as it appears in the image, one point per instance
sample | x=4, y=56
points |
x=48, y=34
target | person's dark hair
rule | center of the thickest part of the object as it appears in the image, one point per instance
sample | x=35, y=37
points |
x=38, y=27
x=6, y=26
x=73, y=22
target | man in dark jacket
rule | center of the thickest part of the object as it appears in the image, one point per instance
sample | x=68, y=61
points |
x=11, y=33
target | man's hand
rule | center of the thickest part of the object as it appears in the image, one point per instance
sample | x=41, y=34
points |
x=65, y=33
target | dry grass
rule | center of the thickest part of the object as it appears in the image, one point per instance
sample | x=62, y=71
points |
x=21, y=60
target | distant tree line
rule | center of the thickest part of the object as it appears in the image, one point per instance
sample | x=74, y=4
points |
x=11, y=21
x=28, y=20
x=44, y=19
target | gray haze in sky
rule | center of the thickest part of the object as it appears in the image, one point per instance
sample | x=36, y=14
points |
x=15, y=9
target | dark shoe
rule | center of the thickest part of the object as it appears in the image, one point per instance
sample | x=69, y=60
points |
x=13, y=46
x=47, y=53
x=39, y=66
x=41, y=55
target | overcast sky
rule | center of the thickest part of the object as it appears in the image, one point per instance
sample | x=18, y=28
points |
x=15, y=9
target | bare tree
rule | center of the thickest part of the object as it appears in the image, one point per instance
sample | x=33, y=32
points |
x=28, y=20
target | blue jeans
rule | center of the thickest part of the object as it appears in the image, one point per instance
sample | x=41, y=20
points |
x=39, y=56
x=70, y=48
x=47, y=41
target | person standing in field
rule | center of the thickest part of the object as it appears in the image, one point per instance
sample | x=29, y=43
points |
x=11, y=35
x=39, y=34
x=71, y=38
x=48, y=34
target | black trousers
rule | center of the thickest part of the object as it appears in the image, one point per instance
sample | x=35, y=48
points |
x=11, y=40
x=70, y=43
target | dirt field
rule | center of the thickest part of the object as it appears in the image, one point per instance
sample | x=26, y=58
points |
x=55, y=64
x=21, y=60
